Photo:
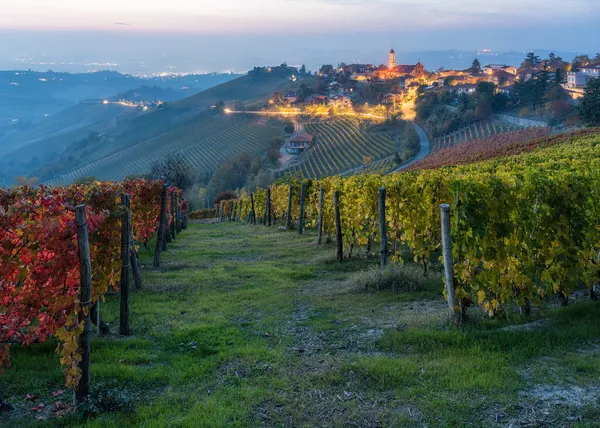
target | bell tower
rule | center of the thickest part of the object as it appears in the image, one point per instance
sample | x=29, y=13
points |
x=392, y=60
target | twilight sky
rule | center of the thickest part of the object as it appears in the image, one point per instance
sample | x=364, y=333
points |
x=109, y=30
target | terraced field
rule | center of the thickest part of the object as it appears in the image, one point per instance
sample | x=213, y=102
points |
x=475, y=131
x=341, y=146
x=205, y=143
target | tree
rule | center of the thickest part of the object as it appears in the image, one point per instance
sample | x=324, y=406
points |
x=303, y=69
x=552, y=56
x=288, y=127
x=532, y=59
x=274, y=152
x=476, y=66
x=486, y=89
x=589, y=109
x=483, y=111
x=173, y=170
x=580, y=61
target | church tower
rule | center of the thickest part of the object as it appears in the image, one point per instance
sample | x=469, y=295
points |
x=392, y=61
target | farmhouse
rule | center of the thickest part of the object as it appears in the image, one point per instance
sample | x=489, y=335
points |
x=300, y=142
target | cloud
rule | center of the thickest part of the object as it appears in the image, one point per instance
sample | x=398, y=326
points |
x=121, y=23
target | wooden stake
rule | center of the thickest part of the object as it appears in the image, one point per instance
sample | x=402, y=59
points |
x=383, y=239
x=289, y=210
x=160, y=236
x=173, y=221
x=125, y=247
x=448, y=261
x=135, y=266
x=338, y=227
x=301, y=217
x=268, y=208
x=252, y=211
x=85, y=297
x=320, y=221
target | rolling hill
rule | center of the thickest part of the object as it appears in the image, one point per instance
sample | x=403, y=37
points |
x=341, y=145
x=187, y=126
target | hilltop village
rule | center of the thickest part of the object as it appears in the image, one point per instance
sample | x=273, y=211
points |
x=544, y=88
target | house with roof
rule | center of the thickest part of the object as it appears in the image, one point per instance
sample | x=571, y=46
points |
x=316, y=100
x=391, y=98
x=340, y=101
x=467, y=88
x=300, y=142
x=495, y=68
x=579, y=79
x=290, y=98
x=503, y=78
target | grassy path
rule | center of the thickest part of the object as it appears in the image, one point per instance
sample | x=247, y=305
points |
x=254, y=326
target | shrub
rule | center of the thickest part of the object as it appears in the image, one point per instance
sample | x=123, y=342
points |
x=203, y=213
x=394, y=277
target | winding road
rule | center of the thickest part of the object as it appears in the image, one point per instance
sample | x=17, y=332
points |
x=424, y=150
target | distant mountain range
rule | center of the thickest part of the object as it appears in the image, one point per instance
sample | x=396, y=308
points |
x=27, y=97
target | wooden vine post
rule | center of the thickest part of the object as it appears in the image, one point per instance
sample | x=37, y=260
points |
x=268, y=207
x=125, y=247
x=162, y=220
x=301, y=216
x=338, y=227
x=447, y=254
x=173, y=220
x=178, y=214
x=252, y=211
x=133, y=258
x=85, y=297
x=320, y=221
x=383, y=241
x=288, y=223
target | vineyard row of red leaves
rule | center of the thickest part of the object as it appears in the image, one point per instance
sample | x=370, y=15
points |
x=39, y=261
x=504, y=144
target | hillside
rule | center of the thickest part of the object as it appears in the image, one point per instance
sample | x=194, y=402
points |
x=494, y=146
x=341, y=145
x=184, y=124
x=28, y=96
x=205, y=143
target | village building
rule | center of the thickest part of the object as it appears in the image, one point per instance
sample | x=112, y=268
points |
x=503, y=78
x=290, y=98
x=495, y=68
x=300, y=142
x=467, y=88
x=391, y=98
x=315, y=100
x=340, y=101
x=579, y=79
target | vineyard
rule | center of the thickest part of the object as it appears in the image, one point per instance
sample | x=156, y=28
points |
x=478, y=130
x=523, y=227
x=504, y=144
x=341, y=145
x=51, y=258
x=206, y=143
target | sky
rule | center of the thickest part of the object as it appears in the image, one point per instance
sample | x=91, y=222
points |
x=232, y=33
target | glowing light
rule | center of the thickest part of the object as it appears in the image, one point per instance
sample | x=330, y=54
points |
x=227, y=111
x=105, y=102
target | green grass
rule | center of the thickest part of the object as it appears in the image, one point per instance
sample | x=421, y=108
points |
x=247, y=325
